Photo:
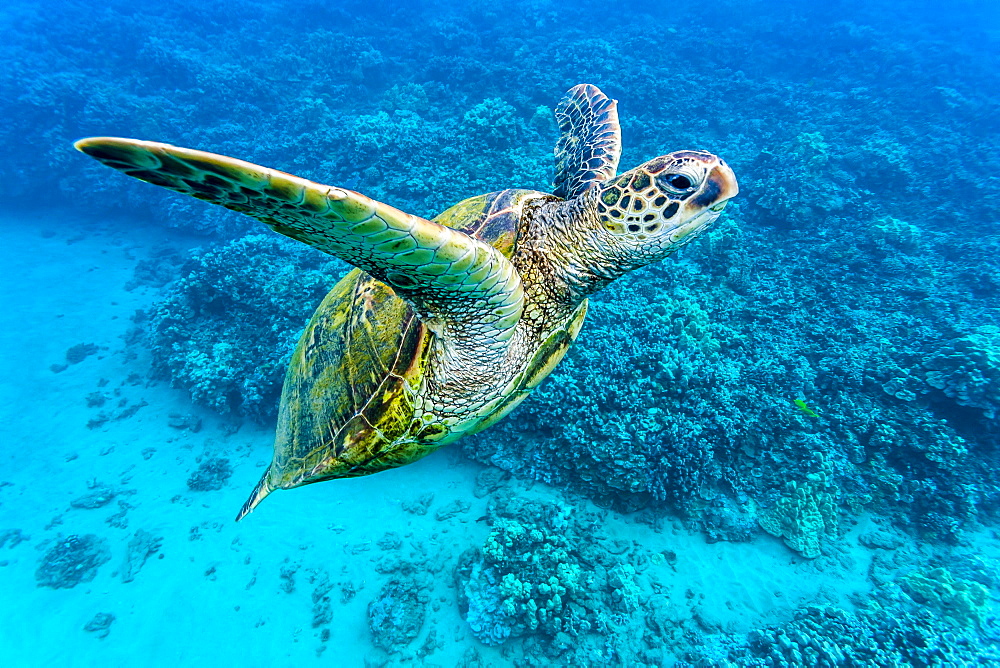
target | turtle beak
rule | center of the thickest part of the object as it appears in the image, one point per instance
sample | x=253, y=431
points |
x=726, y=180
x=719, y=188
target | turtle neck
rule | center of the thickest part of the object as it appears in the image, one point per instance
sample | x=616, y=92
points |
x=569, y=254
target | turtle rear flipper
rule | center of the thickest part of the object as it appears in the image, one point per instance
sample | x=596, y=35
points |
x=444, y=273
x=590, y=140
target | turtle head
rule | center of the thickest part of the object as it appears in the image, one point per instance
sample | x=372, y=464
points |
x=659, y=206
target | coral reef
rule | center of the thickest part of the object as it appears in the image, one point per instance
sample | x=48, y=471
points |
x=805, y=514
x=833, y=637
x=927, y=617
x=479, y=84
x=211, y=474
x=226, y=330
x=958, y=601
x=71, y=561
x=967, y=369
x=396, y=615
x=527, y=577
x=547, y=572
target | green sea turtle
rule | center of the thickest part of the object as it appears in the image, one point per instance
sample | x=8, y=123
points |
x=446, y=324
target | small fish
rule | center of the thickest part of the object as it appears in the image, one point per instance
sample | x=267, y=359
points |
x=801, y=405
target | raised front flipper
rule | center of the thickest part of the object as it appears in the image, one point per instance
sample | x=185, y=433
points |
x=443, y=272
x=590, y=141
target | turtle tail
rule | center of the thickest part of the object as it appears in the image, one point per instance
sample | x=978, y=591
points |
x=262, y=489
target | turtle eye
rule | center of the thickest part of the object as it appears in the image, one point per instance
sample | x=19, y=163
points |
x=679, y=181
x=683, y=181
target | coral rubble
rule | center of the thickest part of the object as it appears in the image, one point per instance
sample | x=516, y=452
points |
x=72, y=561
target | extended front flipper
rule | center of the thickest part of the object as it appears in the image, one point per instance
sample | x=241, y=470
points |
x=444, y=273
x=590, y=140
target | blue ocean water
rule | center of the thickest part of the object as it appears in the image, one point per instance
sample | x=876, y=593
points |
x=777, y=447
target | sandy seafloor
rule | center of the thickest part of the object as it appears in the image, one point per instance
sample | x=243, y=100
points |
x=214, y=594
